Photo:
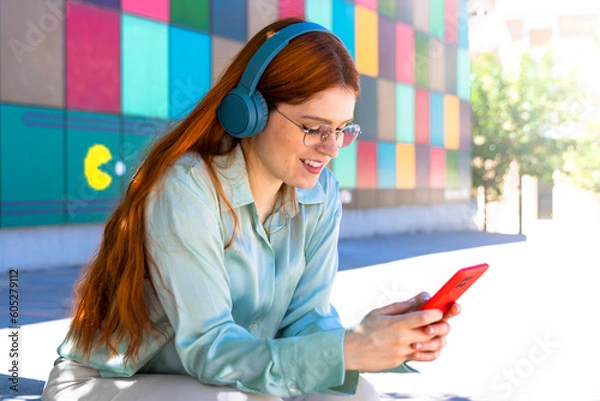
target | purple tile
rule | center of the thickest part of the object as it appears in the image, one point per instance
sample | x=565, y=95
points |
x=465, y=125
x=422, y=166
x=106, y=3
x=387, y=48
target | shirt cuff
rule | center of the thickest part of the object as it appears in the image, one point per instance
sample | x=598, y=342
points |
x=349, y=386
x=404, y=368
x=315, y=363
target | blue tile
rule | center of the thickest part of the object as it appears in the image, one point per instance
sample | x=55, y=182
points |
x=405, y=11
x=229, y=23
x=190, y=69
x=321, y=12
x=436, y=119
x=366, y=114
x=386, y=165
x=343, y=24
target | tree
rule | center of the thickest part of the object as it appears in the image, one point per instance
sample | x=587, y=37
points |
x=517, y=119
x=491, y=138
x=583, y=161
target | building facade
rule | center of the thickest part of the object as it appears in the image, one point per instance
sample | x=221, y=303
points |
x=87, y=86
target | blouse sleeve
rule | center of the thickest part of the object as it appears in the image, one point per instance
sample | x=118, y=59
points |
x=185, y=241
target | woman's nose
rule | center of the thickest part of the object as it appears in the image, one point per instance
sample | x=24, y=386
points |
x=329, y=147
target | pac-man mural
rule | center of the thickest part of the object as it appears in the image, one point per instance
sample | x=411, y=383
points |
x=96, y=156
x=85, y=86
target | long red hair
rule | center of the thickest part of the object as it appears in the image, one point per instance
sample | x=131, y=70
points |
x=109, y=300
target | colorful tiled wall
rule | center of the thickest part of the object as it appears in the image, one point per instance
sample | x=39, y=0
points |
x=85, y=87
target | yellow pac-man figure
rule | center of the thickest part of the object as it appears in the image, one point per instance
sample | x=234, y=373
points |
x=96, y=156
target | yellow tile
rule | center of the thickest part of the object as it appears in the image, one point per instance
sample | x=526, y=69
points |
x=451, y=122
x=406, y=176
x=367, y=43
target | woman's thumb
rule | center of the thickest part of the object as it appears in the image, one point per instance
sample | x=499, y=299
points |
x=397, y=308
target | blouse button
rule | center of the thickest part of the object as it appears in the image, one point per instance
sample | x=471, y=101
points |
x=254, y=326
x=293, y=388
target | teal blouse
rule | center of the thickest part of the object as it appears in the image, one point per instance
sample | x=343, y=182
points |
x=255, y=316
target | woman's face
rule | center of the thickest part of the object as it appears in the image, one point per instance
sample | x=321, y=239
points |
x=278, y=154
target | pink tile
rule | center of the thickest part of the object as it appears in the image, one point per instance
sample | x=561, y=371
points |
x=451, y=21
x=367, y=164
x=291, y=8
x=155, y=9
x=437, y=168
x=93, y=58
x=372, y=4
x=422, y=116
x=405, y=54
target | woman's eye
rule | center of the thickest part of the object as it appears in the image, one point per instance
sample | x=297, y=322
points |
x=315, y=130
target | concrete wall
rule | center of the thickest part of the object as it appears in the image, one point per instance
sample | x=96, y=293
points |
x=47, y=247
x=62, y=246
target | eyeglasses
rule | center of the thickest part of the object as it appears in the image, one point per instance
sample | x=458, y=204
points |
x=316, y=135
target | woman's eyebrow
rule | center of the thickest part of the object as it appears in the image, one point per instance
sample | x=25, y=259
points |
x=324, y=120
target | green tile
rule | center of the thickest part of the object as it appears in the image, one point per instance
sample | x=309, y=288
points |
x=145, y=72
x=436, y=18
x=388, y=8
x=452, y=176
x=405, y=113
x=139, y=135
x=94, y=166
x=463, y=71
x=321, y=12
x=191, y=13
x=344, y=166
x=32, y=157
x=422, y=60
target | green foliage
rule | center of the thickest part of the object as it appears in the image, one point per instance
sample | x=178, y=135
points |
x=517, y=118
x=491, y=138
x=583, y=166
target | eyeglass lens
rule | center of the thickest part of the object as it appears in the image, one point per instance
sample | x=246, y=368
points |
x=318, y=134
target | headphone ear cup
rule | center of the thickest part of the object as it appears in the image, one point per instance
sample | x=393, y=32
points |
x=243, y=115
x=262, y=112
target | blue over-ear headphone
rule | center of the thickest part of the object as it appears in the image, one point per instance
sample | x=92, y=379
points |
x=243, y=112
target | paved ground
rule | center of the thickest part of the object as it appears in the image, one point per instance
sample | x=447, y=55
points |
x=528, y=330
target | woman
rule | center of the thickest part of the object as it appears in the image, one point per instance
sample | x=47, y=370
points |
x=212, y=281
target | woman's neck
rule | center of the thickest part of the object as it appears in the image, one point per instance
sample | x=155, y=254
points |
x=265, y=189
x=265, y=198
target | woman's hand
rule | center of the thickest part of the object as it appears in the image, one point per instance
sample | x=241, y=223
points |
x=396, y=333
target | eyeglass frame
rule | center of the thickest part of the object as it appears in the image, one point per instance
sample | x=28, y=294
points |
x=332, y=131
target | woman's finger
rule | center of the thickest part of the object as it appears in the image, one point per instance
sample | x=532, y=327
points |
x=397, y=308
x=453, y=311
x=441, y=328
x=435, y=344
x=424, y=356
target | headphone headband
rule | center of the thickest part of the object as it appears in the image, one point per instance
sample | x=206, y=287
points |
x=244, y=112
x=268, y=50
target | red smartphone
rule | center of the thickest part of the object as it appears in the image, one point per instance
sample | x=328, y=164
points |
x=454, y=288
